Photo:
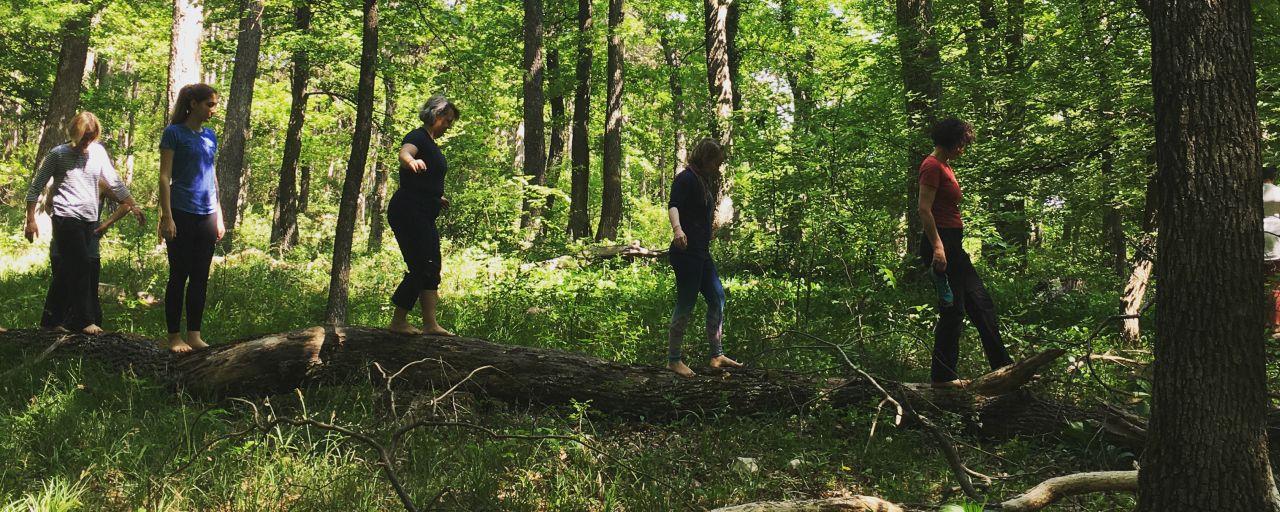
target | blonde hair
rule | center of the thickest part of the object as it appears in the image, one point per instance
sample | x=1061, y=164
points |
x=84, y=126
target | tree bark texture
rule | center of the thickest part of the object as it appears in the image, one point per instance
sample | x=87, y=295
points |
x=65, y=97
x=340, y=272
x=1135, y=289
x=535, y=152
x=387, y=142
x=284, y=228
x=1207, y=444
x=611, y=184
x=555, y=148
x=184, y=47
x=719, y=77
x=579, y=199
x=921, y=62
x=237, y=129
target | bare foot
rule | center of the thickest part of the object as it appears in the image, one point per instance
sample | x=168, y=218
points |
x=723, y=361
x=177, y=345
x=3, y=330
x=92, y=330
x=404, y=327
x=951, y=384
x=681, y=369
x=437, y=331
x=195, y=341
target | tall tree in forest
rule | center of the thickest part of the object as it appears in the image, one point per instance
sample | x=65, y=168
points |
x=731, y=21
x=918, y=51
x=65, y=97
x=340, y=272
x=236, y=129
x=535, y=155
x=719, y=81
x=579, y=222
x=1207, y=441
x=555, y=148
x=184, y=46
x=284, y=227
x=381, y=171
x=611, y=198
x=1008, y=197
x=680, y=144
x=798, y=71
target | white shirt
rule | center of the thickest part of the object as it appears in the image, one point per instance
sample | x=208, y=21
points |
x=1271, y=221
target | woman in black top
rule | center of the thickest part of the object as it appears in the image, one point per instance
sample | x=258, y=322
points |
x=691, y=210
x=412, y=215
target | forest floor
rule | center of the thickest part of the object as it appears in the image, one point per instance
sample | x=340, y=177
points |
x=81, y=437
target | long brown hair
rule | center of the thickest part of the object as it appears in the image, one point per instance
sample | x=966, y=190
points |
x=186, y=95
x=704, y=153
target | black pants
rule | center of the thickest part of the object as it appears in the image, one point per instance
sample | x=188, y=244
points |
x=67, y=302
x=413, y=220
x=971, y=298
x=51, y=318
x=190, y=253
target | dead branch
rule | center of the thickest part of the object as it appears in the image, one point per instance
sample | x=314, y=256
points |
x=1054, y=489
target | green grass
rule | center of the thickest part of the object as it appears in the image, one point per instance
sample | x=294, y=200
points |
x=79, y=437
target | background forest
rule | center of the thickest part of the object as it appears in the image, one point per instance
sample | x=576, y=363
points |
x=575, y=117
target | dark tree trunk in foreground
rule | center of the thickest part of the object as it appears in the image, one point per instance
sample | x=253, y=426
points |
x=1207, y=444
x=284, y=228
x=65, y=97
x=920, y=63
x=535, y=155
x=340, y=272
x=387, y=142
x=611, y=198
x=184, y=47
x=579, y=199
x=235, y=132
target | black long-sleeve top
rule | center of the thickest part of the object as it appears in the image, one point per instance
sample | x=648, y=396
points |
x=693, y=202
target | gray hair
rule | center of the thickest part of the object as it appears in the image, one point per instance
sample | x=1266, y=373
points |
x=435, y=107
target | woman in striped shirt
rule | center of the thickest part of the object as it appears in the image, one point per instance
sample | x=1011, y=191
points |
x=76, y=168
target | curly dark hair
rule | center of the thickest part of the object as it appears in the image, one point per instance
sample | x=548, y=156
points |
x=951, y=133
x=1269, y=172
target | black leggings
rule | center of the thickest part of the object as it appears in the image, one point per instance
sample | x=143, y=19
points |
x=413, y=220
x=972, y=299
x=53, y=318
x=190, y=253
x=69, y=290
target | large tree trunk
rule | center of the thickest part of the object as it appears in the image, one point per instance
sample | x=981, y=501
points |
x=611, y=197
x=284, y=228
x=381, y=174
x=340, y=272
x=918, y=51
x=65, y=97
x=237, y=129
x=680, y=144
x=716, y=24
x=184, y=46
x=535, y=154
x=1207, y=444
x=579, y=222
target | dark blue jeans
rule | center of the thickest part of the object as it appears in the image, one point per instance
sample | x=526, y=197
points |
x=696, y=273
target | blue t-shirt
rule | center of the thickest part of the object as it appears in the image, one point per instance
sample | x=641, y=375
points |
x=191, y=188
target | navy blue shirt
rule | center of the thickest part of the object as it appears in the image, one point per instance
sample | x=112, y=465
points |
x=690, y=198
x=192, y=186
x=429, y=184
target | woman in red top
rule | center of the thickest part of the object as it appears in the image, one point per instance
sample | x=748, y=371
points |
x=942, y=248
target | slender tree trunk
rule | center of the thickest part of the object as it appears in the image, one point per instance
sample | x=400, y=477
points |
x=1009, y=198
x=579, y=222
x=340, y=272
x=236, y=131
x=535, y=155
x=304, y=192
x=611, y=199
x=184, y=46
x=918, y=50
x=1135, y=289
x=555, y=152
x=791, y=233
x=680, y=144
x=65, y=97
x=284, y=228
x=382, y=172
x=1206, y=444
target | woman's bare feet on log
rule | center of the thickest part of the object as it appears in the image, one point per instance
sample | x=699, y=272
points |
x=403, y=327
x=436, y=330
x=92, y=330
x=195, y=341
x=951, y=384
x=681, y=369
x=723, y=361
x=176, y=344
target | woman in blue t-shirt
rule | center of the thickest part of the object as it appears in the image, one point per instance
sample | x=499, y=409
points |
x=412, y=214
x=190, y=216
x=691, y=211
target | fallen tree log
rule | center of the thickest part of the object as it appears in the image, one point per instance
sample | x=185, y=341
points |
x=852, y=504
x=995, y=406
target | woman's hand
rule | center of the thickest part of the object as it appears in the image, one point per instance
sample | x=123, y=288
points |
x=32, y=230
x=222, y=228
x=167, y=229
x=137, y=212
x=444, y=201
x=417, y=166
x=679, y=239
x=939, y=260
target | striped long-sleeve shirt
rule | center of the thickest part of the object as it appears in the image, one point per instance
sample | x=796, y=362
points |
x=75, y=192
